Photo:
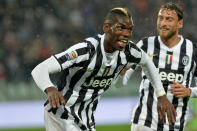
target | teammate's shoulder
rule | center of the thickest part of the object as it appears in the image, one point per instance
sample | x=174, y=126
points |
x=146, y=40
x=191, y=42
x=148, y=37
x=131, y=44
x=195, y=45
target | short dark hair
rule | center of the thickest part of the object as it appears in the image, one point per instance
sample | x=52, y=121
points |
x=111, y=16
x=173, y=6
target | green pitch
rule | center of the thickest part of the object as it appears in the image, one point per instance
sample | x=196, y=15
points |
x=98, y=128
x=191, y=126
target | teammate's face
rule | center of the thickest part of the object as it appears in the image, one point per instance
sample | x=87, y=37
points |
x=168, y=23
x=117, y=34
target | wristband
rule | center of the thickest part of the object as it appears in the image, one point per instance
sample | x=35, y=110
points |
x=160, y=93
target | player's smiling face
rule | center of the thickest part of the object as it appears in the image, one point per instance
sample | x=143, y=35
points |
x=117, y=34
x=168, y=23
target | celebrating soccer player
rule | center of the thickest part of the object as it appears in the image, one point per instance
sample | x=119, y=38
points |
x=88, y=69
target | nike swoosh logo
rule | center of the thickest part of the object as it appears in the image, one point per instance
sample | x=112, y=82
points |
x=151, y=55
x=90, y=70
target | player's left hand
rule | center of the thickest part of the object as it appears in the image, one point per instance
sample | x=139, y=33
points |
x=165, y=107
x=179, y=90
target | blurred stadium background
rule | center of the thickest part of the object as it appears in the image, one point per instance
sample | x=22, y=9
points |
x=32, y=30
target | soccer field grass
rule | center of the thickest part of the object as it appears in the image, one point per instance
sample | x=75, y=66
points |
x=189, y=127
x=98, y=128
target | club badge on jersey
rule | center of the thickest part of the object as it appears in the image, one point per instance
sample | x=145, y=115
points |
x=185, y=60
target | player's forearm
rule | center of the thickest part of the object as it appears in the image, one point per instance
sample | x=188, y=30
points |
x=153, y=76
x=41, y=73
x=123, y=78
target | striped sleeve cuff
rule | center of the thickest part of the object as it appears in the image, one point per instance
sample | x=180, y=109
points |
x=160, y=93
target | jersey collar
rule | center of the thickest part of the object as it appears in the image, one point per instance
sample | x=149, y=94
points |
x=173, y=48
x=115, y=54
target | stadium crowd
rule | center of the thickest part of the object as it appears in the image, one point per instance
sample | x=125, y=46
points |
x=32, y=30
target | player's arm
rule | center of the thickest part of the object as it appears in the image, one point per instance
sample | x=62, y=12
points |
x=57, y=63
x=194, y=89
x=181, y=91
x=152, y=74
x=124, y=76
x=41, y=77
x=164, y=106
x=126, y=73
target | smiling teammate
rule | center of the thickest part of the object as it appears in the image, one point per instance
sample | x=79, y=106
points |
x=176, y=59
x=88, y=69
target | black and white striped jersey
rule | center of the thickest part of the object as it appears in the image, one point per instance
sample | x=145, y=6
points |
x=86, y=74
x=174, y=64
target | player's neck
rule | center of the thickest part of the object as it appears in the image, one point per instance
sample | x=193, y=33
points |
x=108, y=48
x=172, y=41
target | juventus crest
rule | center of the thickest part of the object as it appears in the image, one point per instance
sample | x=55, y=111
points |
x=185, y=60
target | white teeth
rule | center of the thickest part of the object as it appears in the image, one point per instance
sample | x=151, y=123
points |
x=125, y=41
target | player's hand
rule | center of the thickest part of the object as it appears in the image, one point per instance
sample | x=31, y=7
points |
x=165, y=107
x=179, y=90
x=124, y=70
x=55, y=97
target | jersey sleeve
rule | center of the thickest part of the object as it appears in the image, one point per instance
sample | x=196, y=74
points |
x=152, y=74
x=194, y=89
x=42, y=71
x=139, y=57
x=143, y=44
x=74, y=56
x=195, y=59
x=139, y=44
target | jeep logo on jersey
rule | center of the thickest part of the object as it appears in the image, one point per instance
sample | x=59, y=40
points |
x=171, y=75
x=99, y=82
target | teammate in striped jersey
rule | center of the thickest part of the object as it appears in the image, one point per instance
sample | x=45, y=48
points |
x=88, y=69
x=176, y=59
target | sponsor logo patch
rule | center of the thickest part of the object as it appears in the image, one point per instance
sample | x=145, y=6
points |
x=171, y=75
x=90, y=70
x=72, y=55
x=151, y=55
x=98, y=82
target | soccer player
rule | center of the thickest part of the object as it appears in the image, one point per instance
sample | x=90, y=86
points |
x=176, y=59
x=88, y=69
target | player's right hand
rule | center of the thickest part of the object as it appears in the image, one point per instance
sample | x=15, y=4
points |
x=55, y=97
x=122, y=73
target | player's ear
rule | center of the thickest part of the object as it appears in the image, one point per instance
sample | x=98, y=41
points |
x=180, y=23
x=106, y=27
